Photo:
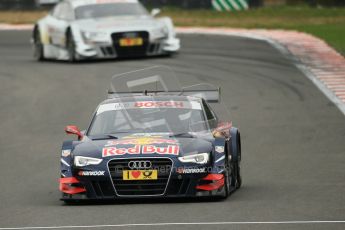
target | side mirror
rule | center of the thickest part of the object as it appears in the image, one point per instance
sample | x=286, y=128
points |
x=155, y=12
x=74, y=130
x=222, y=129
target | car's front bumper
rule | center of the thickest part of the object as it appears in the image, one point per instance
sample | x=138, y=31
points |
x=102, y=188
x=110, y=50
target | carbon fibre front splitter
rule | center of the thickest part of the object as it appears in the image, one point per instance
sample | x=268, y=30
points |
x=199, y=194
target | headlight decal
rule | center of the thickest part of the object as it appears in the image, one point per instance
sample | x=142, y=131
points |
x=200, y=158
x=90, y=36
x=80, y=161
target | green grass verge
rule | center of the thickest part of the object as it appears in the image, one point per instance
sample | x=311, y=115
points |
x=325, y=23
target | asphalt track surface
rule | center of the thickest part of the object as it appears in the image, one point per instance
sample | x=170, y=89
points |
x=293, y=138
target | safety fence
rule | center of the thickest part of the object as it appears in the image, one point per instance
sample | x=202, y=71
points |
x=230, y=5
x=220, y=5
x=186, y=4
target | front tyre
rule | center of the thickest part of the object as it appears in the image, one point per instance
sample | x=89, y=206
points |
x=228, y=178
x=38, y=46
x=232, y=177
x=71, y=47
x=235, y=147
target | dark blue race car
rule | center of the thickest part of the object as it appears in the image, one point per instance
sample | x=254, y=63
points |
x=152, y=144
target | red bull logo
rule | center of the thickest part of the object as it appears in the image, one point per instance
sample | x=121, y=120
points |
x=141, y=149
x=142, y=145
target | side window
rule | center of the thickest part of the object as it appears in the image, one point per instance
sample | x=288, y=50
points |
x=69, y=15
x=57, y=10
x=211, y=118
x=63, y=11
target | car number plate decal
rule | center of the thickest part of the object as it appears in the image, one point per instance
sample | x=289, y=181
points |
x=125, y=42
x=139, y=174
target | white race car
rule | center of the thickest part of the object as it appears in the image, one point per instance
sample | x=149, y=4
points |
x=89, y=29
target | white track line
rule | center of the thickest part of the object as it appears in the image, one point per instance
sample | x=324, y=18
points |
x=181, y=224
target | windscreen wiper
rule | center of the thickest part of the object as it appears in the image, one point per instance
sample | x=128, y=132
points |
x=104, y=137
x=129, y=131
x=188, y=135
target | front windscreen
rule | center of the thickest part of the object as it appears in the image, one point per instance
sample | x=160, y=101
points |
x=110, y=10
x=169, y=116
x=152, y=100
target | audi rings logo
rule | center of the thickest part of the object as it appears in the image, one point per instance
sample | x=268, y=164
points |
x=139, y=164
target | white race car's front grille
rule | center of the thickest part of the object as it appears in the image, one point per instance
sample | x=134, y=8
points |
x=131, y=51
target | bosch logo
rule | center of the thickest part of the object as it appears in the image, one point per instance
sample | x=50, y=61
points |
x=139, y=164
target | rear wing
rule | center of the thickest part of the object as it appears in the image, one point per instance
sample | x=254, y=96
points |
x=208, y=92
x=160, y=81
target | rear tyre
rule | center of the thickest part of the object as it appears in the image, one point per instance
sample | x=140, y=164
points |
x=38, y=46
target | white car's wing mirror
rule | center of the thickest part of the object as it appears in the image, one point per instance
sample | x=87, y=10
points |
x=155, y=12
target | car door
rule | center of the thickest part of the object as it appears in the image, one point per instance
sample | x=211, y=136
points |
x=62, y=16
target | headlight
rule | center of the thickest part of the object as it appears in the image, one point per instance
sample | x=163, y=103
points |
x=165, y=30
x=201, y=158
x=160, y=32
x=90, y=36
x=85, y=161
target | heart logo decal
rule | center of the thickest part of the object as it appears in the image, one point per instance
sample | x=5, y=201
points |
x=136, y=174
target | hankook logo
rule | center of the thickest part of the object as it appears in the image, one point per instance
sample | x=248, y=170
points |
x=139, y=164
